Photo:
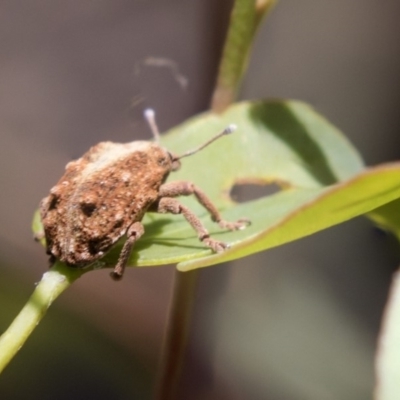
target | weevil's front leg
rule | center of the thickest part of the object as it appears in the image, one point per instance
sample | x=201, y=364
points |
x=173, y=206
x=135, y=231
x=184, y=188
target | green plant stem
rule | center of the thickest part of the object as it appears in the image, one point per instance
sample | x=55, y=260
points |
x=53, y=283
x=177, y=331
x=245, y=19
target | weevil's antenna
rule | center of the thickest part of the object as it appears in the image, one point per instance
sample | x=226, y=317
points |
x=229, y=129
x=150, y=116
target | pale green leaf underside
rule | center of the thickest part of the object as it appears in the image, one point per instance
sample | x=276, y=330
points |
x=285, y=142
x=388, y=355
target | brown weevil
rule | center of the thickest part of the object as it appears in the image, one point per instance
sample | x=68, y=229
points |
x=104, y=195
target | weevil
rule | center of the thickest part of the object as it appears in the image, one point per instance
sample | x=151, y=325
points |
x=104, y=195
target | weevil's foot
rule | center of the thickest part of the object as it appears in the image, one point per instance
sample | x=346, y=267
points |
x=215, y=245
x=235, y=226
x=115, y=276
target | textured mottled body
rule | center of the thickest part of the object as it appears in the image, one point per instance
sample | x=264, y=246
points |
x=104, y=195
x=99, y=197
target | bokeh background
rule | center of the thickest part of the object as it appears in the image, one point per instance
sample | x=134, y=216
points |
x=297, y=322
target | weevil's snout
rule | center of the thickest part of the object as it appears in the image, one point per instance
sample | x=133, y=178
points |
x=175, y=162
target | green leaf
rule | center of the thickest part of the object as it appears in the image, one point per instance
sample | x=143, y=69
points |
x=283, y=142
x=388, y=217
x=322, y=177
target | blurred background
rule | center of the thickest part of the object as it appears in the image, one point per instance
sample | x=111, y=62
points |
x=297, y=322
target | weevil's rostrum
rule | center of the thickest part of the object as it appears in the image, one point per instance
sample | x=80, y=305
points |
x=104, y=195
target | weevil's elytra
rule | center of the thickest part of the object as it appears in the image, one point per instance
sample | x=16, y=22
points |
x=104, y=195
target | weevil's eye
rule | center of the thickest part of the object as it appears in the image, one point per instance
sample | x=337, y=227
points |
x=162, y=161
x=175, y=163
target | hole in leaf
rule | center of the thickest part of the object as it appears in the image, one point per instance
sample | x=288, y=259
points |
x=242, y=192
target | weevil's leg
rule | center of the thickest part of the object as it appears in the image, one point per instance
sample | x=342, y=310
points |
x=135, y=231
x=37, y=237
x=184, y=188
x=173, y=206
x=52, y=259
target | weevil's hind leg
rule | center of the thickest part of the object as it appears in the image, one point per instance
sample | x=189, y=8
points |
x=173, y=206
x=183, y=188
x=135, y=231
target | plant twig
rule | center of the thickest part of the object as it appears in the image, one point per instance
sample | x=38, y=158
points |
x=176, y=334
x=53, y=283
x=245, y=19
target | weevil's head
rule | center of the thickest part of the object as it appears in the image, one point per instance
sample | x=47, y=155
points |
x=164, y=158
x=169, y=160
x=150, y=161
